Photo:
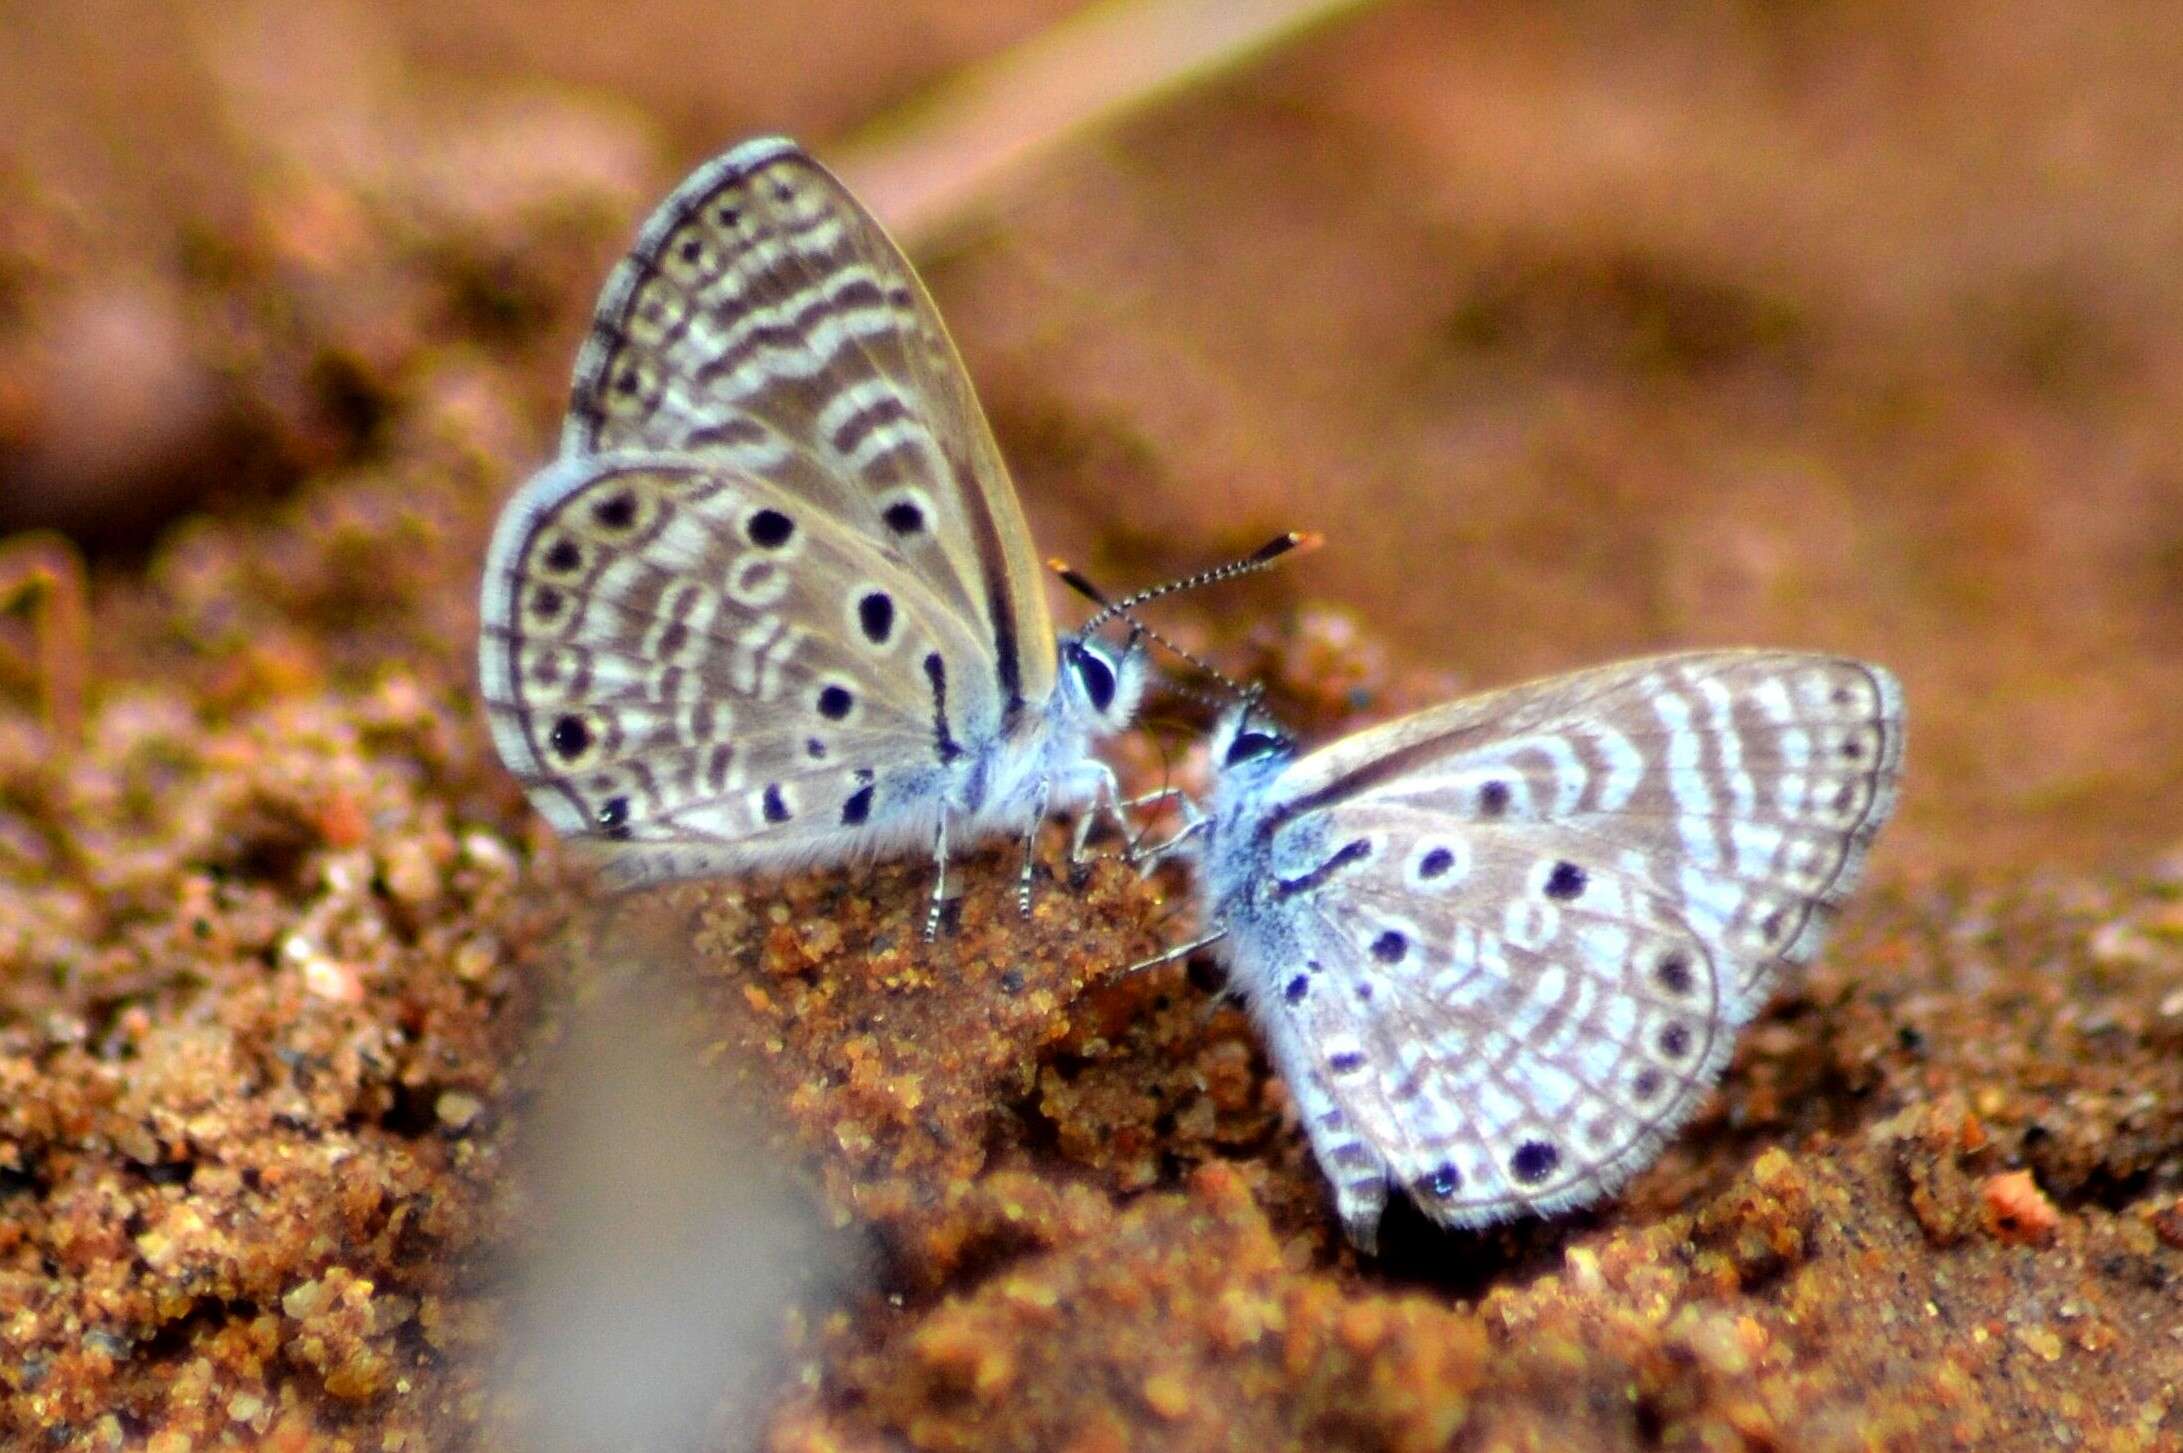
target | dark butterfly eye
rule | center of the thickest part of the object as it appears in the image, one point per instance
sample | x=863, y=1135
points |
x=1252, y=744
x=1096, y=677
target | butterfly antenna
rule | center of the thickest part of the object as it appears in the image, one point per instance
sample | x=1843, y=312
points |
x=1108, y=610
x=1206, y=698
x=1250, y=564
x=1074, y=579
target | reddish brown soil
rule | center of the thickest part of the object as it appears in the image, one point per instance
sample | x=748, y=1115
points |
x=1579, y=332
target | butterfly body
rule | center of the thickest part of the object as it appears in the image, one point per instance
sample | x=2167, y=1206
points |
x=776, y=603
x=1499, y=949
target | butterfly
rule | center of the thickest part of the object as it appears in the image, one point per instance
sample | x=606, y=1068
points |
x=1499, y=949
x=775, y=604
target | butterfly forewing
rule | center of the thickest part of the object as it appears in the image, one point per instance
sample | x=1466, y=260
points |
x=1527, y=924
x=1746, y=784
x=692, y=662
x=765, y=321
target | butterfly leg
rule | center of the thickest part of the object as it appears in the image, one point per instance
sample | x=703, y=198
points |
x=1106, y=794
x=1107, y=801
x=1127, y=805
x=939, y=879
x=1030, y=846
x=1194, y=821
x=1180, y=951
x=1163, y=794
x=1147, y=859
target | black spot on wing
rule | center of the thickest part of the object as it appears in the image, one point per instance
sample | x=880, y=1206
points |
x=1565, y=882
x=770, y=529
x=875, y=615
x=616, y=512
x=1444, y=1181
x=569, y=738
x=1534, y=1161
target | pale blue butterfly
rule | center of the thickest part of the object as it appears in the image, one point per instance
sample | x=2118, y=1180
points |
x=1499, y=950
x=776, y=603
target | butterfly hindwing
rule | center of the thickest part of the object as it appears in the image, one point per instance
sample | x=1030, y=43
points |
x=765, y=321
x=1501, y=1049
x=708, y=671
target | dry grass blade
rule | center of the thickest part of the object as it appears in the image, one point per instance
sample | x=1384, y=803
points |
x=921, y=170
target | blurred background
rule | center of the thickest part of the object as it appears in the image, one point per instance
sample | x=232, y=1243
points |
x=1578, y=330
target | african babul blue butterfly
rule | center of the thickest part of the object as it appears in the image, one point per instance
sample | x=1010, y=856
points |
x=776, y=604
x=1499, y=950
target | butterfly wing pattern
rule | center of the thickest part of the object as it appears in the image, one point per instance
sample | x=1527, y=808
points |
x=1500, y=949
x=776, y=602
x=765, y=321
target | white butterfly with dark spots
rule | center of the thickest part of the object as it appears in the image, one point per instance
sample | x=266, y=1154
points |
x=776, y=603
x=1499, y=950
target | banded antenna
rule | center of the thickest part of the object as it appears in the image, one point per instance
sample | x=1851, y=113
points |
x=1261, y=558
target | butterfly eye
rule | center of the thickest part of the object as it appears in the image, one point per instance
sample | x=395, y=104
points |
x=1248, y=745
x=1096, y=677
